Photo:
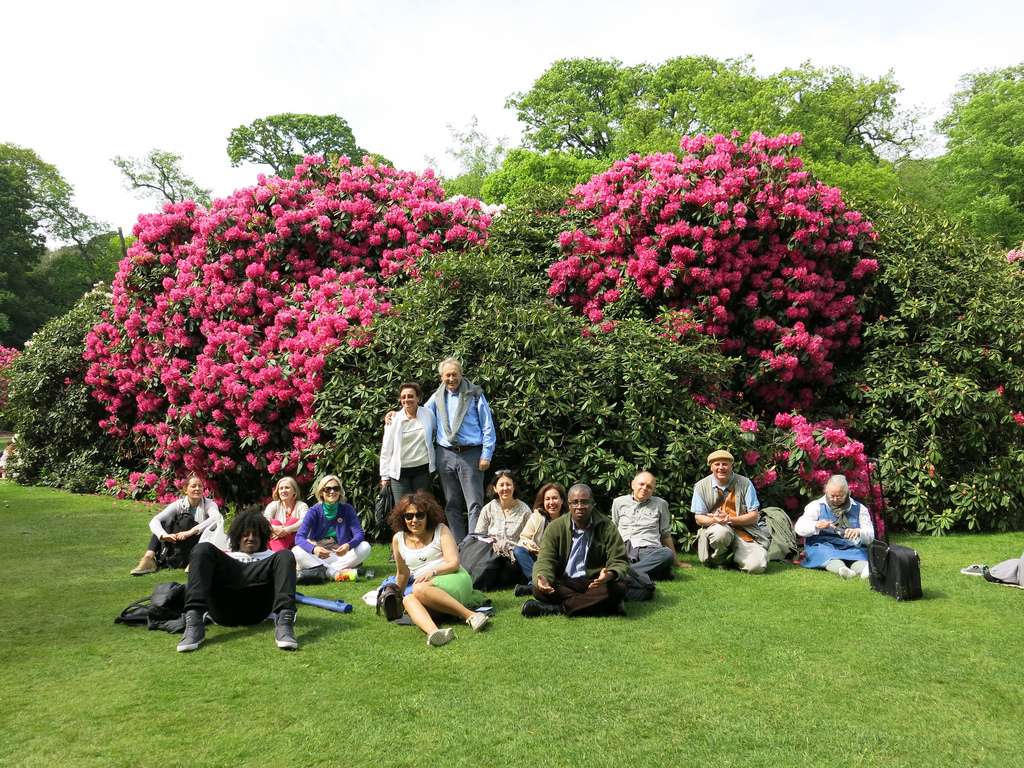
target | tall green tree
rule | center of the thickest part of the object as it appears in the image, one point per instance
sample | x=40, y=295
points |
x=578, y=105
x=600, y=108
x=281, y=141
x=159, y=176
x=984, y=163
x=21, y=246
x=51, y=198
x=477, y=155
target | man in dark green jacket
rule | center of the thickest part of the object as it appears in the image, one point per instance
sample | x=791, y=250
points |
x=582, y=563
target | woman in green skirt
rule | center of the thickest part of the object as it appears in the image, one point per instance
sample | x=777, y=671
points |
x=425, y=552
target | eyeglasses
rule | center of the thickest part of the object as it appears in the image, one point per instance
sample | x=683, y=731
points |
x=503, y=473
x=331, y=489
x=410, y=516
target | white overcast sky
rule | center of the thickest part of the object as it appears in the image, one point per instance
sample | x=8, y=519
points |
x=83, y=81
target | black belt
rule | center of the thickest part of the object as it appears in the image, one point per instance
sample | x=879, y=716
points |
x=460, y=448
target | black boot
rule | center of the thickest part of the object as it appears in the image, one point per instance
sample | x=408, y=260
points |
x=284, y=631
x=195, y=632
x=534, y=608
x=315, y=575
x=523, y=590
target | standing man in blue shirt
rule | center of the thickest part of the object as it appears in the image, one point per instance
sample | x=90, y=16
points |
x=464, y=432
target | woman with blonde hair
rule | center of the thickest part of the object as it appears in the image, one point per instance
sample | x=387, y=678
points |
x=285, y=514
x=330, y=534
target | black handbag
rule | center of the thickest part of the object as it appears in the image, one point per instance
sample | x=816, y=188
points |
x=382, y=507
x=894, y=570
x=389, y=602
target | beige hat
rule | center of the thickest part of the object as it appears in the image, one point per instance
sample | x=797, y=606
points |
x=720, y=454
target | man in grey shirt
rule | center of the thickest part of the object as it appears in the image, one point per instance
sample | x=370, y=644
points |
x=645, y=525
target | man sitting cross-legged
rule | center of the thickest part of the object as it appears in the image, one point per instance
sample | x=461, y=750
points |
x=581, y=564
x=644, y=524
x=242, y=586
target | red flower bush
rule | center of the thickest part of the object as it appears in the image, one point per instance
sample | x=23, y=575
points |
x=7, y=356
x=738, y=242
x=803, y=455
x=214, y=350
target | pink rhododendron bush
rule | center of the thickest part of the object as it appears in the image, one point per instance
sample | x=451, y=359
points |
x=7, y=356
x=213, y=352
x=731, y=239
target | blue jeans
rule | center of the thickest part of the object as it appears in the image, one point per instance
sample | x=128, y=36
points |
x=525, y=559
x=656, y=562
x=463, y=484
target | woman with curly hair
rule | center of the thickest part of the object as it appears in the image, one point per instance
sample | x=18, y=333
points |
x=426, y=553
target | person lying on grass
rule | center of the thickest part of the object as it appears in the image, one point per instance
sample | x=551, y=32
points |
x=425, y=551
x=837, y=531
x=581, y=565
x=243, y=586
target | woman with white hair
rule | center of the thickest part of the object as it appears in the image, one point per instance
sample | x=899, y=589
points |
x=330, y=534
x=837, y=531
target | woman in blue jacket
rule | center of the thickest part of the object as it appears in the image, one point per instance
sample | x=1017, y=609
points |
x=330, y=534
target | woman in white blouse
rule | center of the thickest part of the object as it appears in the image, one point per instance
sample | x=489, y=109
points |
x=285, y=514
x=407, y=452
x=179, y=526
x=503, y=518
x=837, y=530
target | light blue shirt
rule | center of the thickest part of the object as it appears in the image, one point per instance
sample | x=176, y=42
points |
x=477, y=427
x=576, y=563
x=698, y=507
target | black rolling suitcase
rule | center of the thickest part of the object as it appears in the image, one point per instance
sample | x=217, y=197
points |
x=894, y=570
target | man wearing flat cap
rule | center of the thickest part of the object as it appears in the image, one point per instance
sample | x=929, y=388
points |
x=732, y=528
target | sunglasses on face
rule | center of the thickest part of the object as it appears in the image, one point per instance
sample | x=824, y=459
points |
x=410, y=516
x=332, y=489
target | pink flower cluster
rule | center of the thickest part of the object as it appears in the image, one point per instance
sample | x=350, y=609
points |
x=1016, y=255
x=7, y=356
x=739, y=243
x=214, y=350
x=818, y=450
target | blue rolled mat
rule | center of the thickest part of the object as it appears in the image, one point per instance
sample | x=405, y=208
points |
x=338, y=606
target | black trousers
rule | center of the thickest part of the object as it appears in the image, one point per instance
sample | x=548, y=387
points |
x=578, y=598
x=236, y=593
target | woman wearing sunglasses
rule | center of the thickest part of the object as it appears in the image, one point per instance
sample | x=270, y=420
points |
x=407, y=452
x=330, y=534
x=426, y=553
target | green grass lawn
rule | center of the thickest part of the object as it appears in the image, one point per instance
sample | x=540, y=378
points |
x=793, y=668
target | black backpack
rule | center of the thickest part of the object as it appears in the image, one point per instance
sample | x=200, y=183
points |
x=164, y=609
x=176, y=554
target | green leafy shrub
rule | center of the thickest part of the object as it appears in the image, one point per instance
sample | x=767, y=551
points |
x=939, y=392
x=50, y=409
x=568, y=406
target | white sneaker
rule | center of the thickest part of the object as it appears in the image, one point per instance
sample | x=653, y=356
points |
x=440, y=637
x=478, y=621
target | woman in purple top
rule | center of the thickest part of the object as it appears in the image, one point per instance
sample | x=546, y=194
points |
x=330, y=534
